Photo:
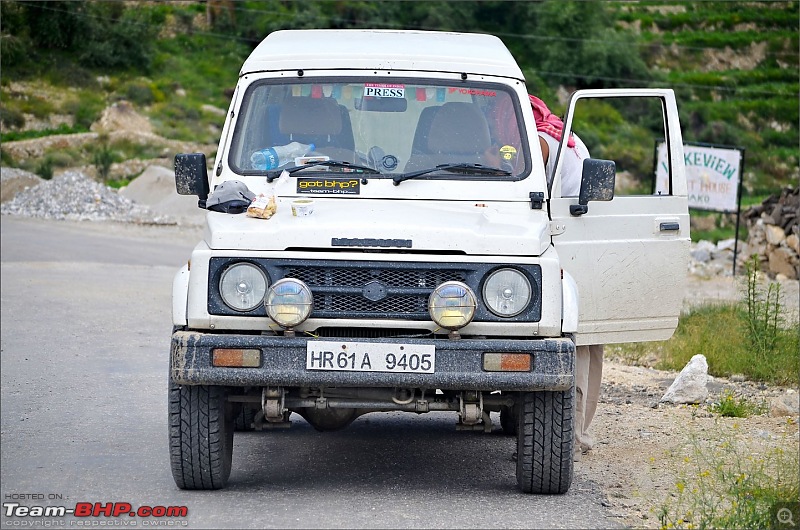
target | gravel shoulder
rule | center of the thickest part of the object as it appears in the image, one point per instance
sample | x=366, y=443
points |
x=644, y=448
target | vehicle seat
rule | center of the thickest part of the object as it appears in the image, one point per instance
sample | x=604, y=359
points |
x=420, y=144
x=458, y=133
x=321, y=121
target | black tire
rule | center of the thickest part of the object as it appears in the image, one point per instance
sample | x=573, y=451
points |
x=508, y=420
x=244, y=420
x=545, y=441
x=200, y=436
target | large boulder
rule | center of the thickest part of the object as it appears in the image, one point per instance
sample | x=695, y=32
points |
x=13, y=181
x=691, y=385
x=121, y=116
x=155, y=188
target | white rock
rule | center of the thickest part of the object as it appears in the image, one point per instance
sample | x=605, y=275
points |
x=785, y=405
x=775, y=234
x=729, y=244
x=793, y=242
x=782, y=260
x=702, y=251
x=691, y=384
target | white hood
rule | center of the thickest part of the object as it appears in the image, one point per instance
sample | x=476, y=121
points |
x=486, y=228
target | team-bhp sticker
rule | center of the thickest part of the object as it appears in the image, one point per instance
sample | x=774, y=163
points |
x=338, y=186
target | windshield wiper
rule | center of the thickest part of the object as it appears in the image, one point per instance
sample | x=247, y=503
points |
x=331, y=163
x=469, y=169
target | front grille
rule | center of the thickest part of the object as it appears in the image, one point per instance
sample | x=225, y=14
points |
x=402, y=289
x=392, y=277
x=358, y=304
x=345, y=289
x=372, y=333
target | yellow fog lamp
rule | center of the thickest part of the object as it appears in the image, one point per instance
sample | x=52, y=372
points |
x=452, y=305
x=289, y=302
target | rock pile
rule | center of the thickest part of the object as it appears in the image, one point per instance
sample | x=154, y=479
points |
x=775, y=234
x=76, y=197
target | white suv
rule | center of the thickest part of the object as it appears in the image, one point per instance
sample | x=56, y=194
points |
x=429, y=265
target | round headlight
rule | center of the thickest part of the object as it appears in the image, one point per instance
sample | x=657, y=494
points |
x=242, y=286
x=289, y=302
x=507, y=292
x=452, y=305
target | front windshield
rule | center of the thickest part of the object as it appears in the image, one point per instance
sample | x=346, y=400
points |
x=382, y=128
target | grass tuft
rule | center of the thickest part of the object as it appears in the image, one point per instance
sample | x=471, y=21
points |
x=732, y=406
x=725, y=484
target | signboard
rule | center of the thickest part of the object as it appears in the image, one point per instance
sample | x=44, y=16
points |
x=713, y=174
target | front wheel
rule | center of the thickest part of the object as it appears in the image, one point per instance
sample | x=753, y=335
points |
x=200, y=436
x=545, y=441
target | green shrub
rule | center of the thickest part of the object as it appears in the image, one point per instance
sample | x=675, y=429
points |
x=11, y=118
x=6, y=159
x=62, y=158
x=13, y=136
x=764, y=319
x=13, y=49
x=139, y=93
x=86, y=108
x=732, y=406
x=103, y=156
x=44, y=168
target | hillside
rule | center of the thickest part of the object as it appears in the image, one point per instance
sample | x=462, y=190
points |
x=734, y=66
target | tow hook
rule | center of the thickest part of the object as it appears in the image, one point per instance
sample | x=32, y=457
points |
x=273, y=409
x=471, y=413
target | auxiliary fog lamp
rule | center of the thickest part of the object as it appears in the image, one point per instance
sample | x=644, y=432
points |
x=289, y=302
x=452, y=305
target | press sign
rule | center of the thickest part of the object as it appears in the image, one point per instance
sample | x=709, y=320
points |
x=384, y=90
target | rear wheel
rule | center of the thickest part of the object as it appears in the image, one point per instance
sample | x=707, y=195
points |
x=508, y=419
x=200, y=436
x=545, y=441
x=244, y=420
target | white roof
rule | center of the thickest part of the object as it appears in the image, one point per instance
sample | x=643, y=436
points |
x=330, y=49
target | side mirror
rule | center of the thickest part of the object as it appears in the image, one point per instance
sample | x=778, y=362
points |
x=191, y=176
x=597, y=184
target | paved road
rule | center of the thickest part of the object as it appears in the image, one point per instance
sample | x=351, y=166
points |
x=85, y=332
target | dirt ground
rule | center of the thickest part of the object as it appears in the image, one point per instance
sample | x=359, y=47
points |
x=644, y=448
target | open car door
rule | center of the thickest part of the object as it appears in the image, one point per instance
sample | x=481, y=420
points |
x=628, y=250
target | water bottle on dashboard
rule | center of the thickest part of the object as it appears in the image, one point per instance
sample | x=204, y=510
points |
x=279, y=155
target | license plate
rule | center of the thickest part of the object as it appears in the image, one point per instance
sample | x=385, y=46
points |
x=370, y=357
